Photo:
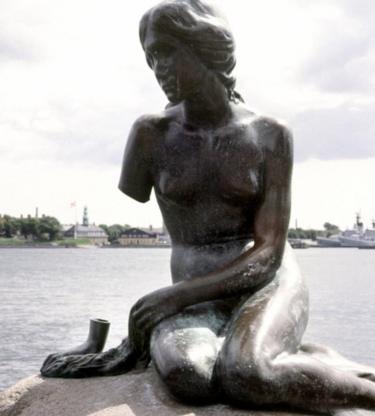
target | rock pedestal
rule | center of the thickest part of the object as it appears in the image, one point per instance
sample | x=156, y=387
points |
x=134, y=394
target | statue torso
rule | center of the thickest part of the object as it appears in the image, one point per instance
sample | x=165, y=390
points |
x=208, y=183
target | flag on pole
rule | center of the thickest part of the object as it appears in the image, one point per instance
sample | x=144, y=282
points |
x=73, y=204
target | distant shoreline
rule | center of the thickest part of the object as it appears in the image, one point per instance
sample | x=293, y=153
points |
x=28, y=246
x=83, y=247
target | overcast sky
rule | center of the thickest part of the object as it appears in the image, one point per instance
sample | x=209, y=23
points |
x=73, y=78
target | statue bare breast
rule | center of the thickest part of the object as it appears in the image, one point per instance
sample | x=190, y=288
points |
x=204, y=196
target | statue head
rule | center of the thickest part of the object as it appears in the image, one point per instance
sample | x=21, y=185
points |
x=193, y=27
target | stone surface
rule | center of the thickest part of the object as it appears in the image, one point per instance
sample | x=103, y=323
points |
x=135, y=394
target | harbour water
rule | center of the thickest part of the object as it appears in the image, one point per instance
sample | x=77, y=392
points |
x=47, y=297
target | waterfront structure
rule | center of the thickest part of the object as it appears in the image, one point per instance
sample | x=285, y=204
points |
x=357, y=237
x=94, y=234
x=297, y=243
x=135, y=237
x=91, y=232
x=332, y=241
x=363, y=239
x=162, y=235
x=85, y=219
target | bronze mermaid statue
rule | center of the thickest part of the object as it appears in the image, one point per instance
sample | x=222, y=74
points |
x=229, y=328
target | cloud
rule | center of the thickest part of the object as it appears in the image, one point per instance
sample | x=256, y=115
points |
x=77, y=104
x=343, y=132
x=75, y=130
x=344, y=65
x=16, y=47
x=358, y=8
x=343, y=58
x=333, y=190
x=88, y=135
x=18, y=32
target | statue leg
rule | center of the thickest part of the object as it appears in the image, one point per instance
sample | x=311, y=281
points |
x=260, y=364
x=333, y=358
x=184, y=350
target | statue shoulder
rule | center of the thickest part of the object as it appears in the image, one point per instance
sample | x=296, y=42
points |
x=274, y=135
x=146, y=123
x=149, y=126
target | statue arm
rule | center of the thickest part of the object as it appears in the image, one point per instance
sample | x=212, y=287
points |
x=258, y=265
x=136, y=178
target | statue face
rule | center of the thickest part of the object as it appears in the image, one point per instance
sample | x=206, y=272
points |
x=178, y=70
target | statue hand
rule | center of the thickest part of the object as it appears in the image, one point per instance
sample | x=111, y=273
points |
x=148, y=312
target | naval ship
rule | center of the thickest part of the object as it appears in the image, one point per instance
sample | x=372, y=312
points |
x=358, y=237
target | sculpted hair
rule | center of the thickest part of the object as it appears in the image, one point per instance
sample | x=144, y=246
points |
x=200, y=26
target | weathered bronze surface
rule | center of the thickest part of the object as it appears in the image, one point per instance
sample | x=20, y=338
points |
x=230, y=326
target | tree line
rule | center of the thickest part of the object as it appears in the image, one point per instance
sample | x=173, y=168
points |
x=311, y=234
x=45, y=228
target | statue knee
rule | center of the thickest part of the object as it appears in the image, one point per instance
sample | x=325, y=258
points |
x=186, y=384
x=187, y=377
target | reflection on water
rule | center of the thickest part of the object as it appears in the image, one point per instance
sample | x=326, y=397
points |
x=48, y=296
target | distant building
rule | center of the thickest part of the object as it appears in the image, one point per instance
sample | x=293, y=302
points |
x=65, y=228
x=162, y=235
x=85, y=218
x=137, y=237
x=152, y=229
x=94, y=234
